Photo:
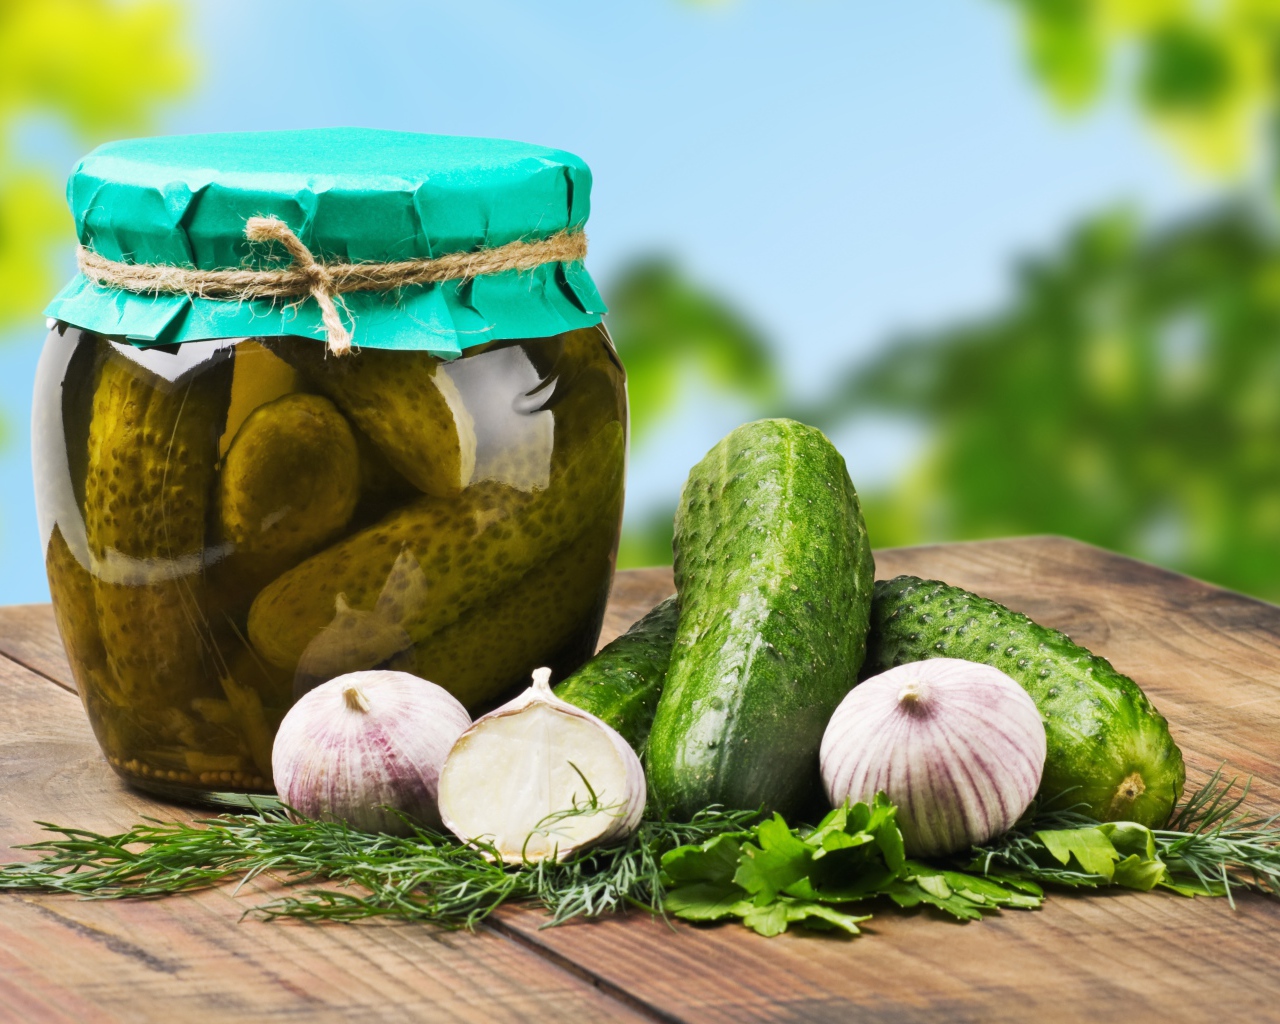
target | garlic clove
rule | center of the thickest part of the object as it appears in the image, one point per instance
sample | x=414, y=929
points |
x=958, y=746
x=366, y=748
x=354, y=641
x=540, y=778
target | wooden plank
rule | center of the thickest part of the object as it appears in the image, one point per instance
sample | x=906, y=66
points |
x=191, y=958
x=1126, y=957
x=1211, y=662
x=29, y=636
x=634, y=592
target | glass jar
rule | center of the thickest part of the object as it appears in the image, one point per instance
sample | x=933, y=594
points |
x=231, y=521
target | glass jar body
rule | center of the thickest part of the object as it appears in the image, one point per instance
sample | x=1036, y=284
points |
x=230, y=523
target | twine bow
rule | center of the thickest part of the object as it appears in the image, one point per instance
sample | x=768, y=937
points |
x=324, y=281
x=318, y=277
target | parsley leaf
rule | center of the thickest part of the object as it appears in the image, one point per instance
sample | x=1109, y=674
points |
x=713, y=861
x=773, y=876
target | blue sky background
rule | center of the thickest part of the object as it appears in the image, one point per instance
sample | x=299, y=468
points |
x=838, y=170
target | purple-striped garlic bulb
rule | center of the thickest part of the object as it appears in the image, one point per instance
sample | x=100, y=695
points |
x=539, y=778
x=959, y=747
x=366, y=745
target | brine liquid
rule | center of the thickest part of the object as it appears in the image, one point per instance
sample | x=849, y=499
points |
x=230, y=523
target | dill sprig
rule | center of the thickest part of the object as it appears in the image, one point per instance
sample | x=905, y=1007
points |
x=335, y=873
x=1210, y=840
x=424, y=876
x=1208, y=846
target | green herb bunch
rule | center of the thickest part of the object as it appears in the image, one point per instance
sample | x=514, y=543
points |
x=721, y=865
x=424, y=876
x=772, y=876
x=1207, y=847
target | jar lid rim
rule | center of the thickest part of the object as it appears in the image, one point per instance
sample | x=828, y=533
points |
x=349, y=194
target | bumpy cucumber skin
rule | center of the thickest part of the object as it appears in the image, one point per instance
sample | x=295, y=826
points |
x=1108, y=748
x=290, y=482
x=405, y=402
x=380, y=482
x=153, y=450
x=463, y=550
x=121, y=729
x=71, y=587
x=775, y=577
x=495, y=646
x=621, y=685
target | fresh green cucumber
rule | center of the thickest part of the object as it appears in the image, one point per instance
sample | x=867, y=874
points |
x=621, y=684
x=1109, y=750
x=775, y=577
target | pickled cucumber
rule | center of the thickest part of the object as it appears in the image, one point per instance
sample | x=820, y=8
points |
x=256, y=729
x=532, y=402
x=153, y=448
x=550, y=616
x=404, y=401
x=259, y=377
x=71, y=588
x=467, y=548
x=380, y=481
x=353, y=642
x=240, y=662
x=290, y=482
x=119, y=728
x=256, y=697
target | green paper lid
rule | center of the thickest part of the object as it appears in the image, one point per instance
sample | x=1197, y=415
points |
x=350, y=195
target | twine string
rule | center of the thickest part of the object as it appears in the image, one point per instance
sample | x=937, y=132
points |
x=324, y=281
x=318, y=277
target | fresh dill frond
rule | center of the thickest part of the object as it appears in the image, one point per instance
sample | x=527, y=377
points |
x=1210, y=840
x=1208, y=846
x=424, y=876
x=335, y=873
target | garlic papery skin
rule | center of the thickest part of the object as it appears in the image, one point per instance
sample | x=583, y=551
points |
x=365, y=745
x=516, y=782
x=959, y=747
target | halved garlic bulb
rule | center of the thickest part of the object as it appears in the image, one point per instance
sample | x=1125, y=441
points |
x=540, y=778
x=366, y=745
x=959, y=747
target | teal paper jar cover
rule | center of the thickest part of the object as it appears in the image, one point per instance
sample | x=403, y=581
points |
x=350, y=195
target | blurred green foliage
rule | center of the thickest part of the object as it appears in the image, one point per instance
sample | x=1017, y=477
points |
x=97, y=67
x=1204, y=72
x=678, y=340
x=675, y=337
x=1128, y=396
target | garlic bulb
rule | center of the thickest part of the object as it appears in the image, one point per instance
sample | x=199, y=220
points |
x=522, y=778
x=958, y=747
x=365, y=742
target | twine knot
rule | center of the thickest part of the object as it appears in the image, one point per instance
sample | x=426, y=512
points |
x=326, y=282
x=317, y=275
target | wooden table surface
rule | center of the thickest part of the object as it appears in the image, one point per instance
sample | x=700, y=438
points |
x=1209, y=659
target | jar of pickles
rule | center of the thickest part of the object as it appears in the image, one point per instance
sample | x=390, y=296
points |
x=319, y=402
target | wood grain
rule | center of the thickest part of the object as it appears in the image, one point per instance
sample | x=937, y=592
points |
x=1209, y=659
x=29, y=636
x=191, y=958
x=634, y=592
